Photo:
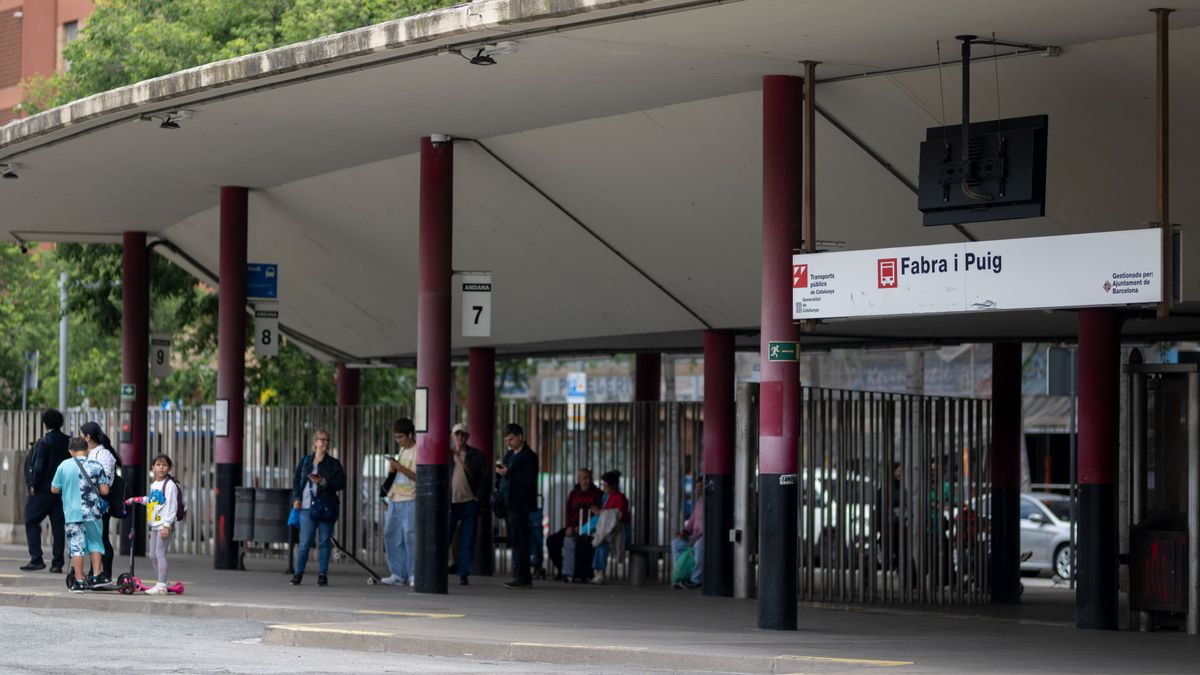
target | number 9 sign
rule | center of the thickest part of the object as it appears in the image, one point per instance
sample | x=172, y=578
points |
x=160, y=355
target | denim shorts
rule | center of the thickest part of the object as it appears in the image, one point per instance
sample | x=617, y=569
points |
x=85, y=537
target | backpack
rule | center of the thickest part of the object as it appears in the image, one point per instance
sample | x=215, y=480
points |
x=180, y=504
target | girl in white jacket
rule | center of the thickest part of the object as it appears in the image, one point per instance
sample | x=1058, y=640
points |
x=161, y=505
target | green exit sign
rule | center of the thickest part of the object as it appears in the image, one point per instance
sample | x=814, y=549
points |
x=128, y=392
x=783, y=351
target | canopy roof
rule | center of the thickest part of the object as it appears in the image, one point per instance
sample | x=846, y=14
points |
x=615, y=188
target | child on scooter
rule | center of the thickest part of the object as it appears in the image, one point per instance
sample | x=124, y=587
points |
x=160, y=516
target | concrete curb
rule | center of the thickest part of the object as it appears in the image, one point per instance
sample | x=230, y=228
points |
x=614, y=656
x=180, y=606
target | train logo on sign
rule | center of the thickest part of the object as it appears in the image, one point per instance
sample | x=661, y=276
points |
x=799, y=276
x=887, y=272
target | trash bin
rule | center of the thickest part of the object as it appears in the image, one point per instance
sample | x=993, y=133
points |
x=271, y=509
x=243, y=521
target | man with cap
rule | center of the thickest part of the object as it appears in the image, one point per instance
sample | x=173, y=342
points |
x=467, y=491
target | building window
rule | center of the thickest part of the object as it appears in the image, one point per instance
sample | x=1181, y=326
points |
x=70, y=31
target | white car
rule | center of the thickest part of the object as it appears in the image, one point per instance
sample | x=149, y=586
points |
x=1046, y=531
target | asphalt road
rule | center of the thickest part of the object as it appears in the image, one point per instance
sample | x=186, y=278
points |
x=74, y=641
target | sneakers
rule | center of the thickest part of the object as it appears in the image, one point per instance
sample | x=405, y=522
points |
x=598, y=579
x=677, y=586
x=78, y=587
x=392, y=581
x=690, y=584
x=297, y=579
x=322, y=580
x=462, y=581
x=518, y=584
x=412, y=582
x=32, y=566
x=158, y=589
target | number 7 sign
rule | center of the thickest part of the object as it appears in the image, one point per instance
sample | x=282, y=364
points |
x=476, y=304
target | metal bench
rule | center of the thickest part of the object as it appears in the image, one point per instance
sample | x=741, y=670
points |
x=641, y=571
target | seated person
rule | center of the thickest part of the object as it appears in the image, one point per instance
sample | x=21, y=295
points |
x=610, y=483
x=583, y=497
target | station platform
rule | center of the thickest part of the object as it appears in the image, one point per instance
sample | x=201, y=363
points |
x=621, y=626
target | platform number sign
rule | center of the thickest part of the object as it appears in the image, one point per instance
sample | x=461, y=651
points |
x=476, y=304
x=266, y=330
x=160, y=355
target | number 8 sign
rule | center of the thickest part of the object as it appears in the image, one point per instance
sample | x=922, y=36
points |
x=266, y=330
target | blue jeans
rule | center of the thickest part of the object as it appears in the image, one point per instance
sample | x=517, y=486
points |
x=464, y=513
x=600, y=557
x=400, y=539
x=308, y=531
x=536, y=537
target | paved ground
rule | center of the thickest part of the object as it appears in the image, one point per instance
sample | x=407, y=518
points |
x=197, y=646
x=616, y=627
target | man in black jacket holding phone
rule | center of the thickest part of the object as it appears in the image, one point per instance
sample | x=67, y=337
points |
x=40, y=464
x=518, y=483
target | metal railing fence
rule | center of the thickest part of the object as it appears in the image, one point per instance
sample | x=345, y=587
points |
x=890, y=496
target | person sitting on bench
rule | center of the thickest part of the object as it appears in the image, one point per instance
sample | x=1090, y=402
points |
x=583, y=497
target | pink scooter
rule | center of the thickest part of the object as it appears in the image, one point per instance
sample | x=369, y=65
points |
x=127, y=584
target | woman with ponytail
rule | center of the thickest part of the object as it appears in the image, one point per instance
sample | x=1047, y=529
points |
x=100, y=449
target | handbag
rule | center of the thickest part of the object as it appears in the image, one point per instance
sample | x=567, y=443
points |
x=323, y=510
x=294, y=518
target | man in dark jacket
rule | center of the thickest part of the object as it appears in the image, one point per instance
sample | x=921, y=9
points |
x=468, y=488
x=40, y=464
x=518, y=484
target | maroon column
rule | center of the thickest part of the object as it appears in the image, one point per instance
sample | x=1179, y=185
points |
x=481, y=424
x=231, y=369
x=1006, y=472
x=1099, y=368
x=348, y=385
x=779, y=394
x=646, y=392
x=135, y=348
x=433, y=363
x=718, y=462
x=349, y=441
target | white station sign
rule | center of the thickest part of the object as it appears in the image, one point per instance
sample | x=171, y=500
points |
x=266, y=329
x=476, y=304
x=1079, y=270
x=160, y=354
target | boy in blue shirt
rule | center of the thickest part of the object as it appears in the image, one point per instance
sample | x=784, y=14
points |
x=83, y=485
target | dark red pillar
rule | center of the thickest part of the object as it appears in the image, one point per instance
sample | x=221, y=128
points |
x=1006, y=472
x=135, y=348
x=433, y=363
x=779, y=394
x=348, y=383
x=481, y=424
x=718, y=462
x=647, y=388
x=231, y=369
x=1099, y=368
x=349, y=440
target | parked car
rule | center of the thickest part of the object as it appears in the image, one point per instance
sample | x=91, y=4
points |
x=1046, y=531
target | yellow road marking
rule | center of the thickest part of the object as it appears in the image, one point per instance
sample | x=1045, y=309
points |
x=615, y=648
x=834, y=659
x=339, y=631
x=417, y=615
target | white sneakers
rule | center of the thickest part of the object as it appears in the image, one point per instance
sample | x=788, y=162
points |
x=598, y=579
x=158, y=589
x=392, y=581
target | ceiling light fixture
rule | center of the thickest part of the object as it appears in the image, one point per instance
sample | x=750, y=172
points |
x=169, y=119
x=10, y=171
x=485, y=54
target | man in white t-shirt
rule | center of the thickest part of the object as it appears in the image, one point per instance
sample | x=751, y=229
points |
x=400, y=492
